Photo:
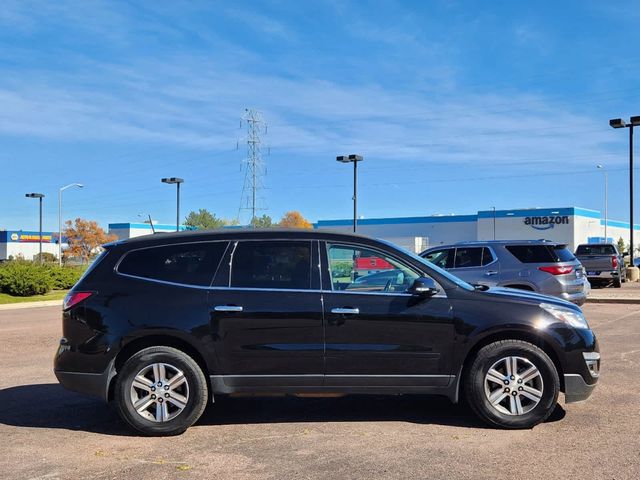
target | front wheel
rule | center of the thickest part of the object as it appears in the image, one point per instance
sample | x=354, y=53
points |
x=161, y=391
x=512, y=384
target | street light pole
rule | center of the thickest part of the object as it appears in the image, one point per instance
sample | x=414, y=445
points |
x=353, y=159
x=79, y=185
x=606, y=201
x=177, y=181
x=494, y=222
x=619, y=123
x=39, y=196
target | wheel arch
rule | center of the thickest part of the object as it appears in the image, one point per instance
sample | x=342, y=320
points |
x=155, y=340
x=534, y=338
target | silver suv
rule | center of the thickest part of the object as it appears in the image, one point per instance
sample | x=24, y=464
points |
x=536, y=265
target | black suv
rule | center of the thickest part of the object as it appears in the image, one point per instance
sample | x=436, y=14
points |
x=161, y=324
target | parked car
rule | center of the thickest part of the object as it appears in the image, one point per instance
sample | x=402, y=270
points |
x=602, y=262
x=161, y=325
x=535, y=265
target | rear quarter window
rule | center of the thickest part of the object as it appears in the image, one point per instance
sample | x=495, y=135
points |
x=541, y=253
x=190, y=264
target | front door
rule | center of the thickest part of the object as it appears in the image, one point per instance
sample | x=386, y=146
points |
x=266, y=320
x=376, y=333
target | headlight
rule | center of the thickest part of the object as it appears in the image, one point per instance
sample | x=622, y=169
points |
x=565, y=315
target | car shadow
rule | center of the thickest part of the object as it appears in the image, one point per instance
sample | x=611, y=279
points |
x=51, y=406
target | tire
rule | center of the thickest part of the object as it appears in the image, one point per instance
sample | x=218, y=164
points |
x=179, y=402
x=617, y=283
x=494, y=356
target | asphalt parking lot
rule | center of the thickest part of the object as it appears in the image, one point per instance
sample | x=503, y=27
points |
x=50, y=433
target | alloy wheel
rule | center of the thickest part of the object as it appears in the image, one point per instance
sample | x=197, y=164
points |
x=159, y=392
x=513, y=385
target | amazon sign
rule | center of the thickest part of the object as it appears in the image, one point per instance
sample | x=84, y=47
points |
x=546, y=222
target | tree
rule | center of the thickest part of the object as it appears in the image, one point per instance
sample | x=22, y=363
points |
x=621, y=245
x=84, y=238
x=262, y=222
x=203, y=218
x=294, y=219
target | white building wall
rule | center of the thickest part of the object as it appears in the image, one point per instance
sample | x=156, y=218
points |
x=569, y=225
x=29, y=250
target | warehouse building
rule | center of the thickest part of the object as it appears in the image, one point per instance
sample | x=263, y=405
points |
x=569, y=225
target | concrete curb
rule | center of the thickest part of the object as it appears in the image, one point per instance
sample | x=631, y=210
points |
x=628, y=301
x=17, y=306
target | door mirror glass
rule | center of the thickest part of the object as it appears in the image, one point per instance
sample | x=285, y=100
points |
x=423, y=287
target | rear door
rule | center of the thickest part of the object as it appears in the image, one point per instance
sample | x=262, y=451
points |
x=266, y=315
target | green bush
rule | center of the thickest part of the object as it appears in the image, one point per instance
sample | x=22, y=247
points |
x=64, y=278
x=23, y=279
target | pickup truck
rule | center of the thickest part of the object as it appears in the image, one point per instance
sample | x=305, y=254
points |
x=602, y=262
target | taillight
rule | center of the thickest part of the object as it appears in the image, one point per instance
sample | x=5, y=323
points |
x=614, y=261
x=73, y=298
x=557, y=269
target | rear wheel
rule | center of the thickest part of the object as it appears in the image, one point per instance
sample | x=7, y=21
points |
x=161, y=391
x=512, y=384
x=617, y=283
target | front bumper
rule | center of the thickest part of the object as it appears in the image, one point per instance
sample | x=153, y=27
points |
x=576, y=389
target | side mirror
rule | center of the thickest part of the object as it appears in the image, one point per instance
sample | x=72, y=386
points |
x=423, y=287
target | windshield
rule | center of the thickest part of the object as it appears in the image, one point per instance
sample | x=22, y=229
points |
x=430, y=266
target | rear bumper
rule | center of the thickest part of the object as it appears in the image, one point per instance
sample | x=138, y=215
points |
x=608, y=275
x=578, y=298
x=95, y=384
x=576, y=389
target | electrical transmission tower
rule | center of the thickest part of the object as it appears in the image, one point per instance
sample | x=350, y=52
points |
x=254, y=168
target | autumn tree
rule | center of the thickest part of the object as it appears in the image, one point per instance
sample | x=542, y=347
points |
x=84, y=238
x=203, y=218
x=294, y=219
x=264, y=221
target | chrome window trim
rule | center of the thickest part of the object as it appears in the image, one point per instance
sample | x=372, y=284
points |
x=190, y=285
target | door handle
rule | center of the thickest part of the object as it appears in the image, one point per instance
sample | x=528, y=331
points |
x=490, y=272
x=345, y=311
x=228, y=308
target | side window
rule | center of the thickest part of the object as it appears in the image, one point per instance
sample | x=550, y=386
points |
x=441, y=258
x=487, y=256
x=468, y=257
x=357, y=269
x=277, y=264
x=191, y=264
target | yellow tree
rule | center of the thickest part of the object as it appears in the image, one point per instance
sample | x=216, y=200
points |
x=294, y=219
x=84, y=238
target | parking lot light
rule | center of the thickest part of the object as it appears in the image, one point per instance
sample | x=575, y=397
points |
x=353, y=159
x=619, y=123
x=39, y=196
x=177, y=181
x=79, y=185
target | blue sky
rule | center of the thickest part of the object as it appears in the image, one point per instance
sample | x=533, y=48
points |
x=456, y=105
